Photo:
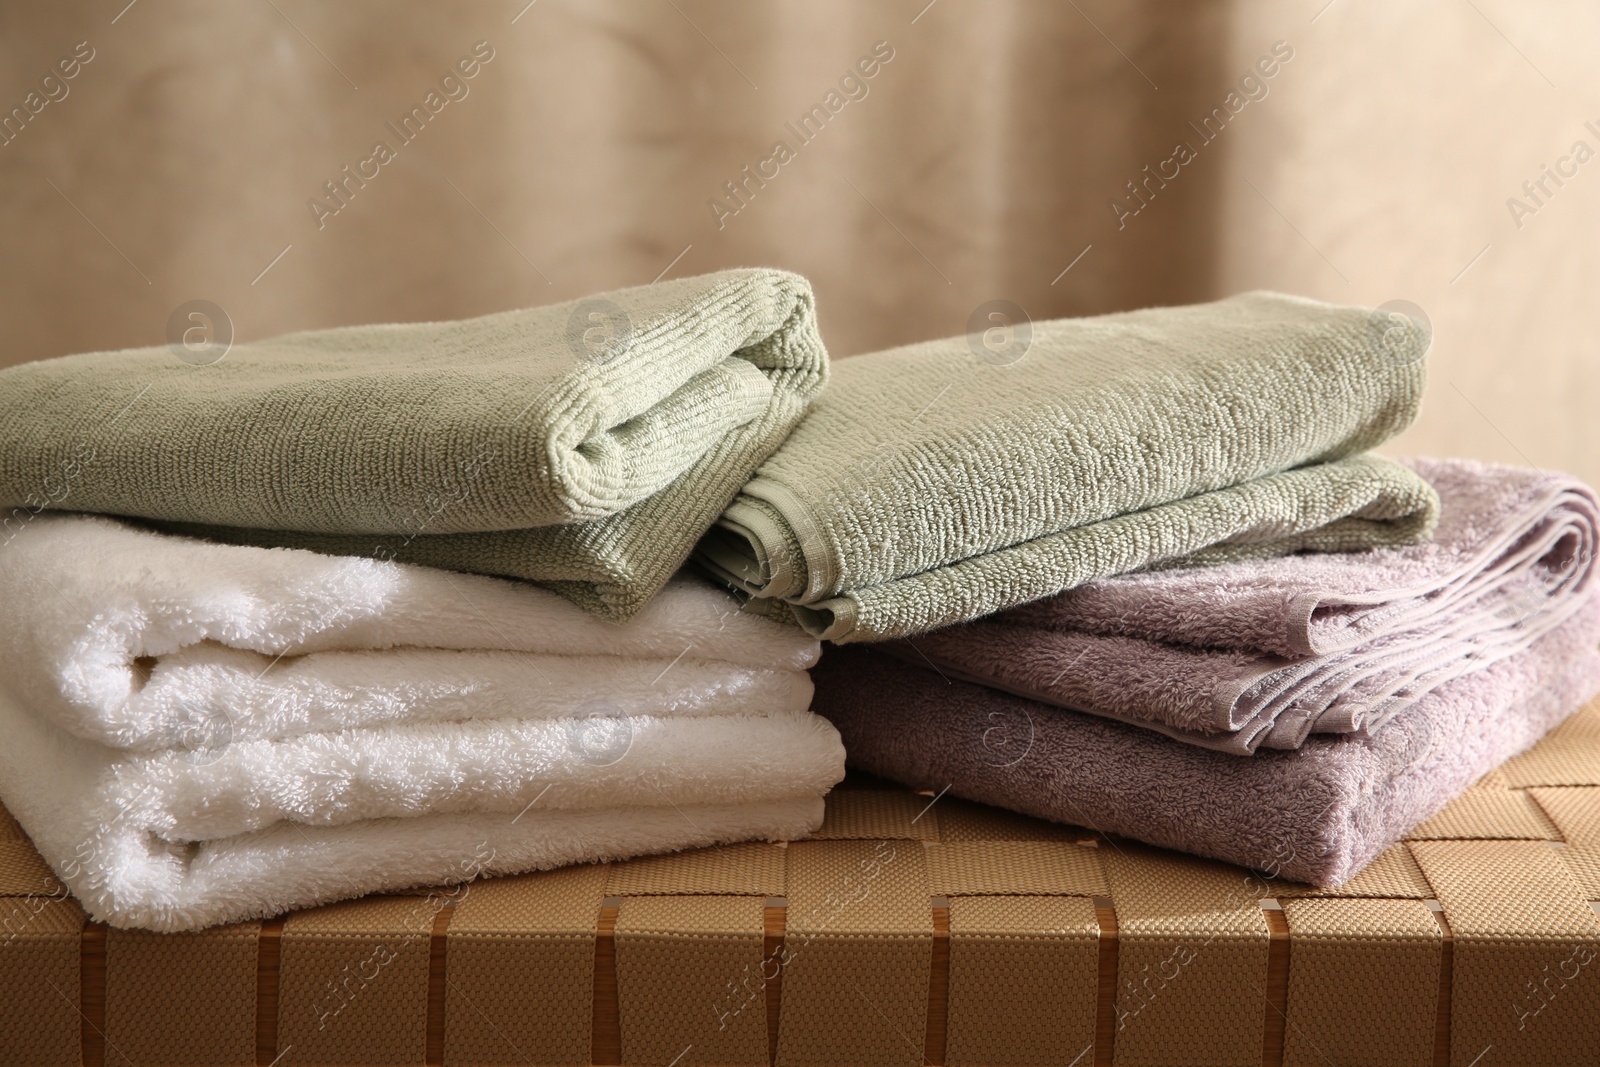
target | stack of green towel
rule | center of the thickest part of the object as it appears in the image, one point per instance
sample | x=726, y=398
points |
x=927, y=484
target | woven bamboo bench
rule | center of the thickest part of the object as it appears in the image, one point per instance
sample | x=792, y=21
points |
x=911, y=929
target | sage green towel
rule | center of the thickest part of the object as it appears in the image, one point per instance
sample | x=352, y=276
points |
x=930, y=486
x=584, y=445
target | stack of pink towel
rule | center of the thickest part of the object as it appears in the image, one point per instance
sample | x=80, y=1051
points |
x=1297, y=713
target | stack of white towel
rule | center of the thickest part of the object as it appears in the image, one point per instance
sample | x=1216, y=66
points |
x=195, y=733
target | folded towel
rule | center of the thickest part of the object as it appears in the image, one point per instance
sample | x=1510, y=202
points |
x=586, y=445
x=930, y=485
x=1317, y=814
x=1265, y=652
x=169, y=642
x=199, y=733
x=93, y=814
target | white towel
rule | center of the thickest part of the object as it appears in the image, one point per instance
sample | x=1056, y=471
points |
x=143, y=640
x=200, y=733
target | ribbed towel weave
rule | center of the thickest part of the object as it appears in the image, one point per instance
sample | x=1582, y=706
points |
x=928, y=486
x=585, y=445
x=1264, y=652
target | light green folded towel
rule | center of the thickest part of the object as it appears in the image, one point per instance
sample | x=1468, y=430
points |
x=585, y=445
x=929, y=485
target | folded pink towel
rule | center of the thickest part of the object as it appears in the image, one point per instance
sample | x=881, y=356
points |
x=1317, y=814
x=1265, y=652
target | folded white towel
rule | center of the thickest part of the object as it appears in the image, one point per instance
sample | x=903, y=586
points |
x=201, y=733
x=166, y=844
x=142, y=640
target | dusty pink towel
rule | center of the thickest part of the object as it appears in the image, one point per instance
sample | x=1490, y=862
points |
x=1317, y=814
x=1265, y=652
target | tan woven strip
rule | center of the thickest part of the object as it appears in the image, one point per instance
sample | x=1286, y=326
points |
x=857, y=953
x=857, y=887
x=605, y=1045
x=1023, y=980
x=556, y=903
x=1526, y=947
x=92, y=993
x=1194, y=951
x=961, y=820
x=1504, y=890
x=733, y=870
x=182, y=998
x=1036, y=868
x=520, y=969
x=1393, y=874
x=24, y=873
x=1363, y=984
x=1584, y=863
x=1568, y=755
x=1277, y=1013
x=878, y=814
x=353, y=981
x=1105, y=1011
x=268, y=960
x=690, y=980
x=23, y=916
x=1575, y=810
x=40, y=940
x=1490, y=810
x=936, y=1038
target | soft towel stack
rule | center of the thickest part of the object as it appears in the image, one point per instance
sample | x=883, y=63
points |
x=199, y=733
x=260, y=695
x=1241, y=655
x=1372, y=687
x=196, y=733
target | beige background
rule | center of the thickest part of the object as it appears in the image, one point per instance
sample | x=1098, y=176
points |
x=981, y=164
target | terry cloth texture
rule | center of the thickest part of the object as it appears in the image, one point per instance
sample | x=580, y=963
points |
x=585, y=445
x=929, y=486
x=1264, y=652
x=199, y=733
x=1317, y=814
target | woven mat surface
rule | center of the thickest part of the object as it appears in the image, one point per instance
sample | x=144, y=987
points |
x=911, y=929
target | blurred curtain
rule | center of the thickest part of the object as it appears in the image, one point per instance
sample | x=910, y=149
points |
x=584, y=156
x=1010, y=149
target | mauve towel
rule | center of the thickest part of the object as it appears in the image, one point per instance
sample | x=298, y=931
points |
x=1264, y=652
x=1318, y=814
